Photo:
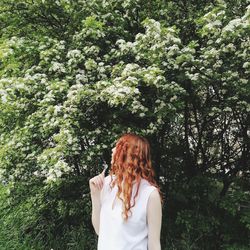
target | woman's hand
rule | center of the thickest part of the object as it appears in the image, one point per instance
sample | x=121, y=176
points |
x=96, y=184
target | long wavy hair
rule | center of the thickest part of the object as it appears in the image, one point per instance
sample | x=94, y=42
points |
x=131, y=163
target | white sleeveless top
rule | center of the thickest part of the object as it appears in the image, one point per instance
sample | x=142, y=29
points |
x=114, y=233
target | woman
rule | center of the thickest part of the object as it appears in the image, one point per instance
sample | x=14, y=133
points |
x=127, y=204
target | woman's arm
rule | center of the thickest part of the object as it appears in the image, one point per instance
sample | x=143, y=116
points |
x=154, y=220
x=96, y=185
x=96, y=208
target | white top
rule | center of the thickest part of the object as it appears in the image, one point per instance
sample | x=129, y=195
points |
x=116, y=234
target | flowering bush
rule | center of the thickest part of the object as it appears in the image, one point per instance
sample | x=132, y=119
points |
x=78, y=74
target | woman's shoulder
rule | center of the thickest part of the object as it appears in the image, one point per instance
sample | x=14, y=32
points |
x=108, y=179
x=146, y=182
x=143, y=183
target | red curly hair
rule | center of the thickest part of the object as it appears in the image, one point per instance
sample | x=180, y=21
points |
x=131, y=162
